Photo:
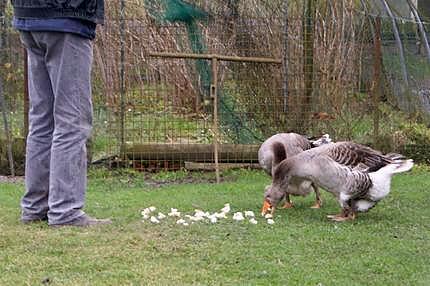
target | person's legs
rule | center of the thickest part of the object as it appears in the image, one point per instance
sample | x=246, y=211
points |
x=34, y=203
x=68, y=60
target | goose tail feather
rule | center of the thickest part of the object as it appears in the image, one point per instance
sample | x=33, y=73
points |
x=403, y=166
x=398, y=166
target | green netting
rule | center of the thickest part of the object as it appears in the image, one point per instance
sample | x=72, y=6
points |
x=181, y=11
x=174, y=11
x=239, y=129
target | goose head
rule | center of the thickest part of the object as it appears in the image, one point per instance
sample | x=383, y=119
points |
x=272, y=196
x=325, y=139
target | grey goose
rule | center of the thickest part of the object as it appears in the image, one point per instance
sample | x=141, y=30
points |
x=291, y=145
x=358, y=176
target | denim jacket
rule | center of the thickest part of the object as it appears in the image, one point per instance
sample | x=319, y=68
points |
x=90, y=10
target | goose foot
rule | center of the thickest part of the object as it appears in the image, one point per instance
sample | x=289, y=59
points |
x=288, y=205
x=333, y=216
x=317, y=205
x=341, y=217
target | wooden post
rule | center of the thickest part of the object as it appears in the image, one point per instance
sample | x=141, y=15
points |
x=214, y=96
x=377, y=69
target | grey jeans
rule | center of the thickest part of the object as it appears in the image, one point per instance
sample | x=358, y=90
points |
x=60, y=122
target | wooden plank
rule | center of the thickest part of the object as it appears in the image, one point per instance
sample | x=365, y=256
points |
x=196, y=166
x=230, y=153
x=216, y=56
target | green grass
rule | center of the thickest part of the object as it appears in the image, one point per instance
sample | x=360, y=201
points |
x=390, y=245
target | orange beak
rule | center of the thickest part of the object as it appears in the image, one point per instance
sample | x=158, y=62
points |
x=267, y=207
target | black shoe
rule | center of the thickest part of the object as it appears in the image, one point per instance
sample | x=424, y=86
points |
x=34, y=220
x=83, y=221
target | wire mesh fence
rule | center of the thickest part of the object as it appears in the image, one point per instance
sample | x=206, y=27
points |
x=12, y=127
x=179, y=84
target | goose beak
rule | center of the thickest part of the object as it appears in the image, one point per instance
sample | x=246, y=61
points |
x=267, y=207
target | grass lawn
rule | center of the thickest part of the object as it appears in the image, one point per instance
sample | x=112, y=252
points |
x=390, y=245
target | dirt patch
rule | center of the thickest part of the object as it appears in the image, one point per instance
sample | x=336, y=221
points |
x=189, y=179
x=11, y=180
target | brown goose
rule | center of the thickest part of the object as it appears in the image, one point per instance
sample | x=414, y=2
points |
x=290, y=144
x=357, y=175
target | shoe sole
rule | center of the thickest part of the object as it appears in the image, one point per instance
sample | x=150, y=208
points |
x=31, y=221
x=80, y=225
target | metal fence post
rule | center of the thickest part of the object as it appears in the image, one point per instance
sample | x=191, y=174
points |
x=122, y=79
x=285, y=58
x=377, y=69
x=7, y=130
x=308, y=65
x=214, y=96
x=26, y=97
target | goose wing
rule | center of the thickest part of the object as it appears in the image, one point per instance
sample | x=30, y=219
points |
x=355, y=155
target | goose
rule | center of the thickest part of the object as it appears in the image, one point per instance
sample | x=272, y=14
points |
x=292, y=144
x=358, y=176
